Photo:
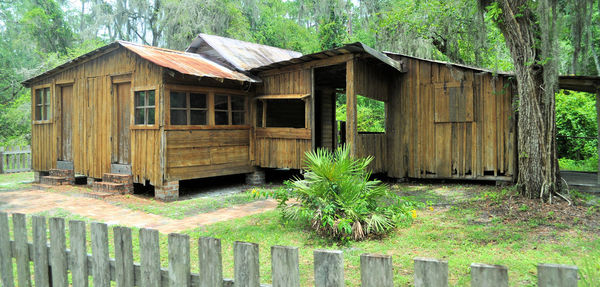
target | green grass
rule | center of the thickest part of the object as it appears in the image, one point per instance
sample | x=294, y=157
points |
x=452, y=234
x=9, y=181
x=590, y=164
x=185, y=208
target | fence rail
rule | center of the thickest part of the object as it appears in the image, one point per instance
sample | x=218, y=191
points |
x=15, y=159
x=52, y=261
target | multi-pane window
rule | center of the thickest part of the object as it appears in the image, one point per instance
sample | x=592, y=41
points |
x=230, y=110
x=188, y=108
x=42, y=104
x=145, y=107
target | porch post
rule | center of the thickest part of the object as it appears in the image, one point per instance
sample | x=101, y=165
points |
x=351, y=129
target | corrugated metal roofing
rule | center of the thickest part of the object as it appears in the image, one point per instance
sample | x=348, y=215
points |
x=451, y=64
x=182, y=62
x=357, y=47
x=241, y=55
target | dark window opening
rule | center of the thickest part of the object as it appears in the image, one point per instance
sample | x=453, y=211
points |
x=282, y=113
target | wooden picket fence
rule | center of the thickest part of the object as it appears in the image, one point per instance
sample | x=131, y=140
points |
x=15, y=159
x=52, y=261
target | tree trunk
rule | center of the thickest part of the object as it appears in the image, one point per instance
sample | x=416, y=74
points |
x=538, y=164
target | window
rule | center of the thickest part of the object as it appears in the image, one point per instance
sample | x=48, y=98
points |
x=42, y=104
x=144, y=107
x=282, y=113
x=188, y=108
x=230, y=110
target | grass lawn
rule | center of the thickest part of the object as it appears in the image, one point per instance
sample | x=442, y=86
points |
x=185, y=208
x=10, y=181
x=467, y=224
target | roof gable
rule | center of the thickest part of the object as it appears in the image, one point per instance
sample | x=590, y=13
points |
x=182, y=62
x=237, y=54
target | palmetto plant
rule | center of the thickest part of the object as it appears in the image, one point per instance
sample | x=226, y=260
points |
x=339, y=200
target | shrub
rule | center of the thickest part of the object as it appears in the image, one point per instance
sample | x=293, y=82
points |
x=339, y=201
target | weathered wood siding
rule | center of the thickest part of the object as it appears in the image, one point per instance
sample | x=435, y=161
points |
x=206, y=153
x=450, y=122
x=91, y=117
x=283, y=147
x=375, y=145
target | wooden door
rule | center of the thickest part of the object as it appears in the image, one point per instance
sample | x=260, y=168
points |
x=66, y=112
x=121, y=133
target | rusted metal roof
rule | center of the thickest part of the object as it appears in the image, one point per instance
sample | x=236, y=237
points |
x=352, y=48
x=182, y=62
x=240, y=55
x=185, y=63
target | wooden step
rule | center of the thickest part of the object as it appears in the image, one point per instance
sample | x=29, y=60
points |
x=110, y=187
x=54, y=180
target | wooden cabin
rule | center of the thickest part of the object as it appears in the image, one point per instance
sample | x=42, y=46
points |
x=155, y=116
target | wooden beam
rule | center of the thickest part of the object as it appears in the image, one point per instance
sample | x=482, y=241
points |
x=351, y=112
x=313, y=112
x=340, y=59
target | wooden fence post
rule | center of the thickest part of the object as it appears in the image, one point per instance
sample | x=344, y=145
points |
x=329, y=268
x=376, y=270
x=40, y=251
x=285, y=266
x=210, y=262
x=100, y=259
x=246, y=264
x=150, y=258
x=485, y=275
x=179, y=260
x=78, y=257
x=6, y=264
x=58, y=254
x=21, y=249
x=124, y=273
x=431, y=272
x=556, y=275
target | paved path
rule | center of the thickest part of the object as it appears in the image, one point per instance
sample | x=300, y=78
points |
x=34, y=201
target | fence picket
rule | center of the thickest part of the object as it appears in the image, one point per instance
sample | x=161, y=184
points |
x=210, y=262
x=246, y=264
x=58, y=254
x=21, y=249
x=431, y=272
x=556, y=275
x=15, y=159
x=100, y=259
x=6, y=265
x=40, y=251
x=78, y=261
x=488, y=275
x=376, y=270
x=123, y=257
x=179, y=260
x=149, y=258
x=285, y=266
x=329, y=268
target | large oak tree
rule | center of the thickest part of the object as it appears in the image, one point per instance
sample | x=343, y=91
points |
x=530, y=31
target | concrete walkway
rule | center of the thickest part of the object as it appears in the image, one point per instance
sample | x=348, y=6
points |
x=34, y=201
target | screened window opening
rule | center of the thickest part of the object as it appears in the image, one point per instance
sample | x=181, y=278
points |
x=188, y=108
x=281, y=113
x=42, y=104
x=145, y=107
x=230, y=110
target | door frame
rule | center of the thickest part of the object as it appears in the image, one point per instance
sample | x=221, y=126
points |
x=59, y=111
x=117, y=80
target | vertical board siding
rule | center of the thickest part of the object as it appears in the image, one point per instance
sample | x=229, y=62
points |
x=449, y=122
x=284, y=152
x=91, y=115
x=375, y=145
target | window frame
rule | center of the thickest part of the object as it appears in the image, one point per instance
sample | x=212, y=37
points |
x=47, y=103
x=145, y=107
x=188, y=108
x=230, y=109
x=210, y=97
